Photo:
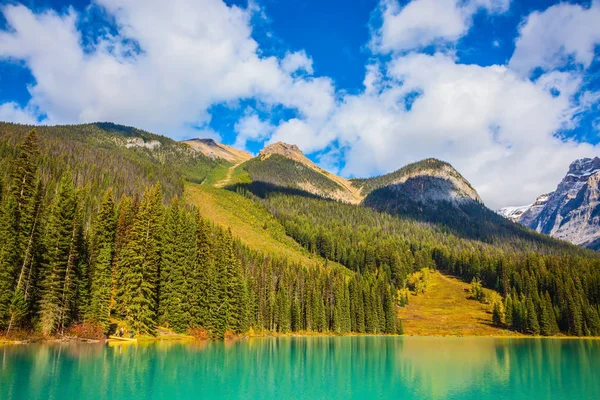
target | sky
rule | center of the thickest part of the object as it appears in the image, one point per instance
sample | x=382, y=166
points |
x=507, y=91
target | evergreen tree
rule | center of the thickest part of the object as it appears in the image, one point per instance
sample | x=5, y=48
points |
x=497, y=314
x=202, y=275
x=140, y=263
x=61, y=256
x=8, y=256
x=101, y=261
x=533, y=325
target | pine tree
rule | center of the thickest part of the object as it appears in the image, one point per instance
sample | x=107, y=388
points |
x=101, y=262
x=201, y=275
x=60, y=236
x=218, y=301
x=533, y=325
x=99, y=310
x=178, y=261
x=497, y=314
x=140, y=262
x=508, y=311
x=390, y=312
x=8, y=254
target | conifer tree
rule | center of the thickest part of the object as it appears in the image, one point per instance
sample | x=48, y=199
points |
x=140, y=263
x=59, y=273
x=101, y=260
x=533, y=325
x=218, y=302
x=508, y=311
x=201, y=275
x=8, y=255
x=497, y=314
x=178, y=261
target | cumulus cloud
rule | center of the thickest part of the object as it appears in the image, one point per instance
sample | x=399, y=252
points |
x=251, y=128
x=297, y=61
x=554, y=37
x=467, y=115
x=12, y=112
x=423, y=22
x=167, y=64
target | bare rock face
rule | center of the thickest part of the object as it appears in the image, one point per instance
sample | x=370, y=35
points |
x=525, y=214
x=290, y=151
x=426, y=181
x=213, y=149
x=572, y=212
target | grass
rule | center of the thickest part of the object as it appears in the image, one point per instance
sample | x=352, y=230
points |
x=249, y=221
x=445, y=310
x=217, y=174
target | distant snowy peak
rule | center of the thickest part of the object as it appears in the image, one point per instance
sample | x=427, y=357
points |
x=516, y=213
x=513, y=213
x=584, y=167
x=572, y=211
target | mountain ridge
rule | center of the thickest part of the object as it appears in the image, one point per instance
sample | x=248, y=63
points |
x=572, y=211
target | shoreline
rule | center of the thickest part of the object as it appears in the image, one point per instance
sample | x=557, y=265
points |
x=184, y=338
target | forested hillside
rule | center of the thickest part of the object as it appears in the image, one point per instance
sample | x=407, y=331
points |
x=548, y=286
x=102, y=225
x=103, y=155
x=144, y=261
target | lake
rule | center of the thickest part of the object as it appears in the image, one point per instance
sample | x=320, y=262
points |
x=306, y=368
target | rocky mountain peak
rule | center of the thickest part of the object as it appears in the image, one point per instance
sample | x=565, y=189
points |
x=572, y=211
x=213, y=149
x=283, y=149
x=207, y=141
x=584, y=167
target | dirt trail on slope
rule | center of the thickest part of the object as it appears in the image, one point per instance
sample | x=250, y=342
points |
x=223, y=182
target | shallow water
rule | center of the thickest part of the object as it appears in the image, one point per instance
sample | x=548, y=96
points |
x=306, y=368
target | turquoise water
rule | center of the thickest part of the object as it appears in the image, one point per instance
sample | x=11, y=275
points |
x=306, y=368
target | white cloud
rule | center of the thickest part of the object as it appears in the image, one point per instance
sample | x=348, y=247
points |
x=12, y=112
x=423, y=22
x=193, y=55
x=496, y=128
x=495, y=125
x=297, y=61
x=550, y=38
x=251, y=127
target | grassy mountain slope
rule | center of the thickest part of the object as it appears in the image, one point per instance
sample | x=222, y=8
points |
x=249, y=221
x=446, y=310
x=285, y=166
x=104, y=154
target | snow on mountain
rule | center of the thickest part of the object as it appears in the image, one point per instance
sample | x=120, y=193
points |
x=513, y=213
x=572, y=211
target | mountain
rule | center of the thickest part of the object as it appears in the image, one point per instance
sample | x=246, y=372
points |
x=515, y=213
x=572, y=211
x=98, y=220
x=285, y=166
x=213, y=149
x=102, y=155
x=430, y=180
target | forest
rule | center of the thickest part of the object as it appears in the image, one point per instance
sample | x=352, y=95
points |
x=94, y=232
x=548, y=286
x=68, y=257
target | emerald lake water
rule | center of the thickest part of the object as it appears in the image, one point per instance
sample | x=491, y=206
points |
x=306, y=368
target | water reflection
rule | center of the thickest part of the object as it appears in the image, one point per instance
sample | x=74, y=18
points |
x=306, y=368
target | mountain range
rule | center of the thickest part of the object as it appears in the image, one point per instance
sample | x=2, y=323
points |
x=197, y=235
x=571, y=212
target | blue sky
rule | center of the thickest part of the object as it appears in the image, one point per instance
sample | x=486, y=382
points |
x=507, y=91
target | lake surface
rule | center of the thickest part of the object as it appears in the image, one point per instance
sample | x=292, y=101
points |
x=306, y=368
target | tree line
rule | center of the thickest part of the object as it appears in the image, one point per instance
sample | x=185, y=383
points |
x=147, y=263
x=547, y=286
